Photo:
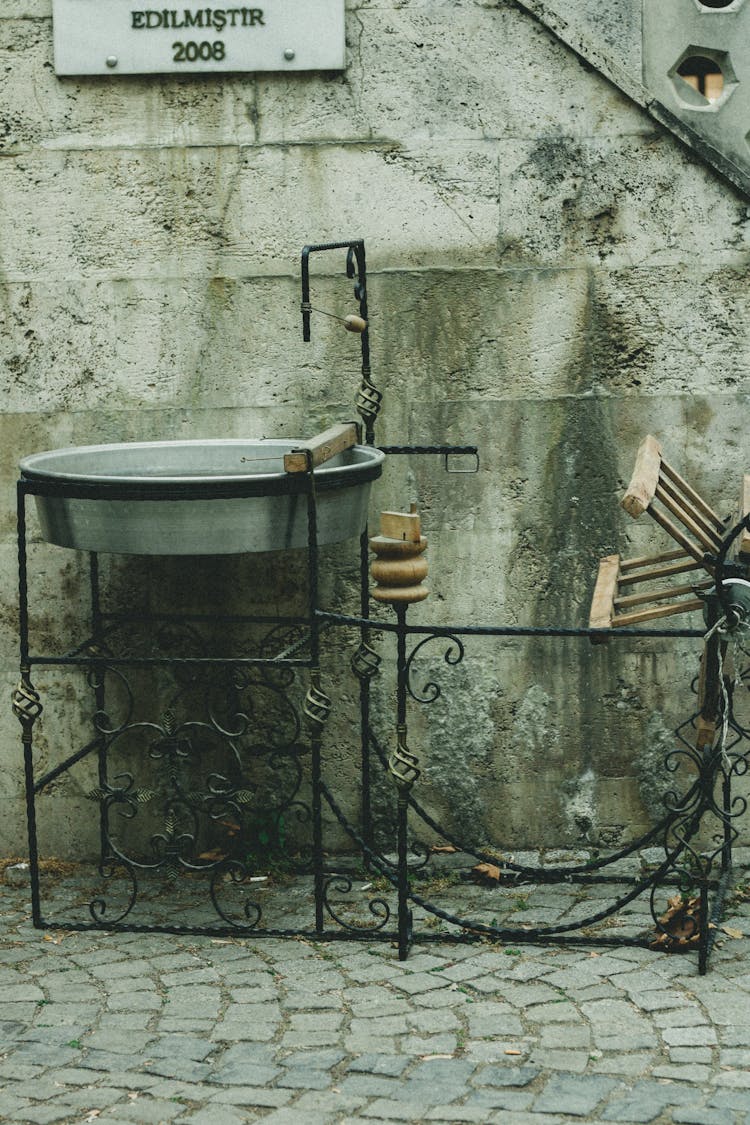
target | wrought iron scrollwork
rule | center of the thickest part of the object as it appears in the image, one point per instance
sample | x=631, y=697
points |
x=217, y=779
x=227, y=875
x=105, y=680
x=100, y=906
x=378, y=907
x=225, y=787
x=454, y=654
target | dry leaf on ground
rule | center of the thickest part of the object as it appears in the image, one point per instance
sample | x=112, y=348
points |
x=486, y=873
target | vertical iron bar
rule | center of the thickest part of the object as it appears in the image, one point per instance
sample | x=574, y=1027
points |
x=404, y=913
x=317, y=814
x=364, y=696
x=726, y=772
x=711, y=712
x=312, y=564
x=23, y=589
x=704, y=944
x=96, y=609
x=401, y=673
x=717, y=911
x=726, y=851
x=316, y=730
x=358, y=250
x=99, y=697
x=28, y=763
x=306, y=294
x=27, y=735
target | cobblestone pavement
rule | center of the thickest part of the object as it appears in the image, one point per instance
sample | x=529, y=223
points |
x=207, y=1031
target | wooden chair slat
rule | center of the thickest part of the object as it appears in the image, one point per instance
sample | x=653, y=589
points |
x=620, y=598
x=691, y=513
x=646, y=560
x=686, y=520
x=693, y=496
x=678, y=535
x=661, y=595
x=643, y=615
x=658, y=572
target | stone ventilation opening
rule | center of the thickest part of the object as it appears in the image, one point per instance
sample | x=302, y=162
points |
x=702, y=74
x=716, y=3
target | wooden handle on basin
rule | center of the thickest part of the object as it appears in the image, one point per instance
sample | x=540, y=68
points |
x=322, y=447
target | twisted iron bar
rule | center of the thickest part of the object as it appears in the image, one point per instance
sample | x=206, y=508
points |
x=27, y=704
x=402, y=764
x=317, y=708
x=365, y=662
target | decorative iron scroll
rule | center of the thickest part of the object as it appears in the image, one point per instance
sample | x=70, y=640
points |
x=216, y=793
x=454, y=654
x=346, y=914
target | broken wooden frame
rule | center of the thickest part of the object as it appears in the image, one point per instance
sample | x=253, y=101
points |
x=630, y=592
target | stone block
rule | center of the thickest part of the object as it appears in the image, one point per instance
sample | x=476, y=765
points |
x=17, y=875
x=577, y=1096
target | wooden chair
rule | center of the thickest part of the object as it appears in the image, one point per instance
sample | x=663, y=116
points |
x=634, y=591
x=619, y=597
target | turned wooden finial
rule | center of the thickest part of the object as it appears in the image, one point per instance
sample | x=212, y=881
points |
x=399, y=567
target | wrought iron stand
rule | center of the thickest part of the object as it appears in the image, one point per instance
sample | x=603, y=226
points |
x=216, y=821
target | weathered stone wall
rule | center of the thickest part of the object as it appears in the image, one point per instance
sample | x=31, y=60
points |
x=551, y=276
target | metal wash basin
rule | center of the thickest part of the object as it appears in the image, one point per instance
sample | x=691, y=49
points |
x=212, y=497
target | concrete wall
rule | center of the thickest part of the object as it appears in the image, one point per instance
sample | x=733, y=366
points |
x=552, y=276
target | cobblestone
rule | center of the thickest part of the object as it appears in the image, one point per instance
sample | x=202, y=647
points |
x=146, y=1029
x=577, y=1097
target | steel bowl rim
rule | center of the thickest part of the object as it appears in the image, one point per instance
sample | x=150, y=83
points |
x=30, y=470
